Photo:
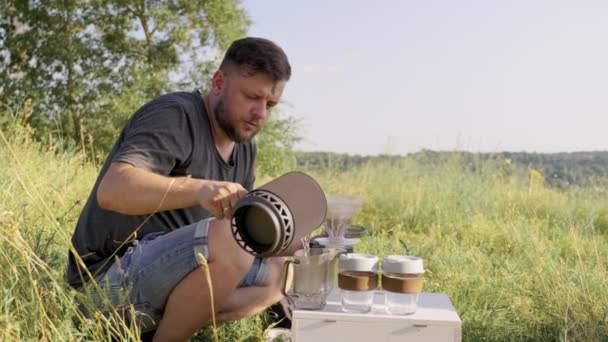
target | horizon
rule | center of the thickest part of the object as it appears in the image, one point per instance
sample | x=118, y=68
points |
x=471, y=75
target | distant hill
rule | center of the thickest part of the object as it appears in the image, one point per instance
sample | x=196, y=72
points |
x=559, y=169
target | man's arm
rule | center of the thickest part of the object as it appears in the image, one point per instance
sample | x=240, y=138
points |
x=134, y=191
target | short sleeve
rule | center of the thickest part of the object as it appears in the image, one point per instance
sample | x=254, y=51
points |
x=158, y=138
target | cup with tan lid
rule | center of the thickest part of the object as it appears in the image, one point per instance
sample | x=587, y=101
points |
x=402, y=280
x=358, y=279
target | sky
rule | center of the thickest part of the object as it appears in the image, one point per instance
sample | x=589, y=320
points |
x=400, y=76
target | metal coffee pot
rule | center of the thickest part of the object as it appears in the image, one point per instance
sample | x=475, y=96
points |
x=272, y=219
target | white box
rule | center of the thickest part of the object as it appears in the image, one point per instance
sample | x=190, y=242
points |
x=434, y=321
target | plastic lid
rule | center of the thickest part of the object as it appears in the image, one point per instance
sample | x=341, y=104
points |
x=358, y=262
x=405, y=264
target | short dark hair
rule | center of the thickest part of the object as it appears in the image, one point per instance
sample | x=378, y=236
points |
x=258, y=55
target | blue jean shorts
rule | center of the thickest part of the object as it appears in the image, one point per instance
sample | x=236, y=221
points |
x=147, y=273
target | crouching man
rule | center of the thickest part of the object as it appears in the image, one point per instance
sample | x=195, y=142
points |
x=164, y=196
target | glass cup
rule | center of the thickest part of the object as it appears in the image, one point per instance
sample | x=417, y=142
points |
x=402, y=280
x=358, y=280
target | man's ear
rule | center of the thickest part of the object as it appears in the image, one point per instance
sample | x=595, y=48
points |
x=218, y=82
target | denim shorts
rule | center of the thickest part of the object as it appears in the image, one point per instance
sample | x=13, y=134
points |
x=147, y=273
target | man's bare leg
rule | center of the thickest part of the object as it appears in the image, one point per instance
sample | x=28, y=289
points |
x=251, y=300
x=189, y=307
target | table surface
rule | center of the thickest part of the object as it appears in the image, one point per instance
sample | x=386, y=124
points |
x=433, y=308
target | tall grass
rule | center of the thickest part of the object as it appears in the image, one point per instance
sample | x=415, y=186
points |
x=520, y=261
x=41, y=194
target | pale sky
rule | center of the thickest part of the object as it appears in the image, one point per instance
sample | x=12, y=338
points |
x=397, y=76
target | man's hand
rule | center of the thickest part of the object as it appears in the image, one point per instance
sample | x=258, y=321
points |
x=219, y=197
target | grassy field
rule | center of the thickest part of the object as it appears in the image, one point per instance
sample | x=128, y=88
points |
x=520, y=261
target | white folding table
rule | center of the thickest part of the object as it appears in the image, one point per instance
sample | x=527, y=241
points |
x=435, y=320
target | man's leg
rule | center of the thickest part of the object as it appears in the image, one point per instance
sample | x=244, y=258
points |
x=251, y=300
x=188, y=307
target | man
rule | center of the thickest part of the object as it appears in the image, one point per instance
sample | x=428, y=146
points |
x=164, y=195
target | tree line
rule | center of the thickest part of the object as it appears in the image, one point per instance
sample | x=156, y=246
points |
x=84, y=66
x=558, y=169
x=74, y=70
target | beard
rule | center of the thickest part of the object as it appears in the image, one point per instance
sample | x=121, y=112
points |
x=226, y=122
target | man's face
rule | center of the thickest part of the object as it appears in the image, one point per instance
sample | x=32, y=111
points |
x=245, y=103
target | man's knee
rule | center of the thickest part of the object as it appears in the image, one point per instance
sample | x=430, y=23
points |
x=223, y=250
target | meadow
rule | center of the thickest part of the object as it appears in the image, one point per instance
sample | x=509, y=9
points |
x=520, y=261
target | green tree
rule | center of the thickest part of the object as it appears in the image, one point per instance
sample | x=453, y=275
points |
x=88, y=64
x=275, y=145
x=48, y=54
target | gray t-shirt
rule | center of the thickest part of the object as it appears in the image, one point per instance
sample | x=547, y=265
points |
x=171, y=135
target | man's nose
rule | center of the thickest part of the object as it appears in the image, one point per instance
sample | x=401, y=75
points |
x=260, y=110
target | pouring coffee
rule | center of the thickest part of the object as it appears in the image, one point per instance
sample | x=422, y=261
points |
x=271, y=219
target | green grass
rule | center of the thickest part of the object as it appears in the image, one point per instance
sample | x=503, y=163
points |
x=519, y=262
